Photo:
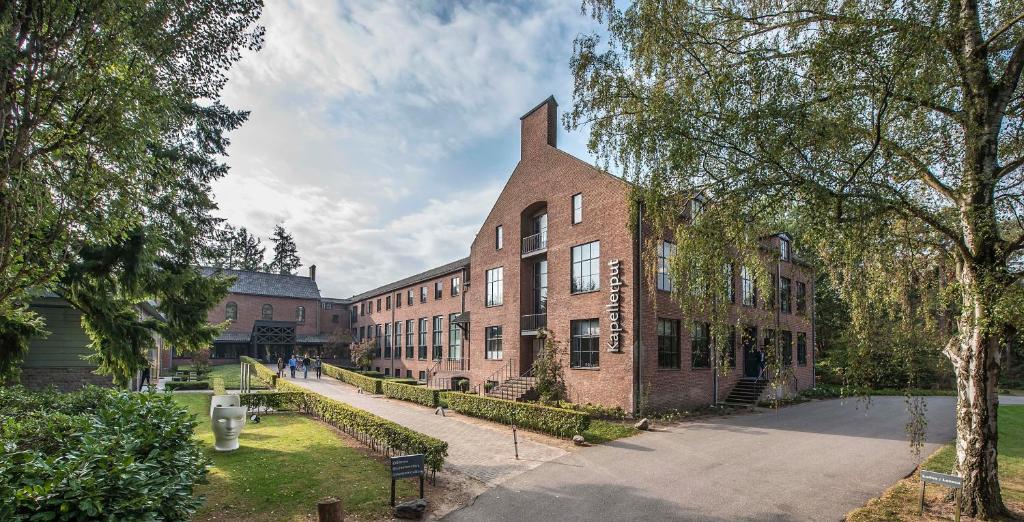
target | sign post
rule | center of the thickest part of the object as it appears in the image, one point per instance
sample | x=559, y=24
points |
x=406, y=466
x=942, y=479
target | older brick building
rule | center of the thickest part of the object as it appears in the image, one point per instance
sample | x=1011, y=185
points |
x=556, y=254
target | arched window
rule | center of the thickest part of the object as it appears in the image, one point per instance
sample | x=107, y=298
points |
x=231, y=311
x=300, y=314
x=268, y=312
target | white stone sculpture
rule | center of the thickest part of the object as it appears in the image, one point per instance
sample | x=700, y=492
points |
x=224, y=400
x=227, y=425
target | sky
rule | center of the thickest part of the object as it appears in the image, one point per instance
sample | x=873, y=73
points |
x=382, y=131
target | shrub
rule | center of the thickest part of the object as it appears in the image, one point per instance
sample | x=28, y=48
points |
x=406, y=392
x=97, y=454
x=594, y=410
x=403, y=380
x=371, y=373
x=368, y=384
x=555, y=421
x=218, y=386
x=186, y=385
x=274, y=400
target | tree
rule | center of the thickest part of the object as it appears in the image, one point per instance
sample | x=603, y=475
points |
x=549, y=371
x=286, y=256
x=362, y=353
x=892, y=131
x=111, y=130
x=248, y=252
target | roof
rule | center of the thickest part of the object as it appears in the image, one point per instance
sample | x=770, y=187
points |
x=454, y=266
x=336, y=300
x=263, y=283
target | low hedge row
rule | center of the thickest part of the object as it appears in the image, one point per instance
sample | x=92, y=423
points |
x=273, y=400
x=186, y=385
x=408, y=392
x=368, y=384
x=555, y=421
x=218, y=386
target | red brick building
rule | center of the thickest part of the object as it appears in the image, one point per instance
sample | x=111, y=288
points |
x=556, y=253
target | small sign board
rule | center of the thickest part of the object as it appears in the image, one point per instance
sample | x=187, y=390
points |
x=406, y=466
x=943, y=479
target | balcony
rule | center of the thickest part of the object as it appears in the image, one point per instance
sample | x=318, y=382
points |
x=535, y=244
x=531, y=324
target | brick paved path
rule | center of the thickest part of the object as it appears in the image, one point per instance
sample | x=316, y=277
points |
x=481, y=450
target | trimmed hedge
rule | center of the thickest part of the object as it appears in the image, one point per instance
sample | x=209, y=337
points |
x=275, y=400
x=555, y=421
x=368, y=384
x=407, y=392
x=403, y=380
x=218, y=386
x=186, y=385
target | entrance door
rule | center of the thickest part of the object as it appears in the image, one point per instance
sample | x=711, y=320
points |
x=751, y=355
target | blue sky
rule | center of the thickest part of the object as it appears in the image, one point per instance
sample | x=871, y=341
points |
x=382, y=131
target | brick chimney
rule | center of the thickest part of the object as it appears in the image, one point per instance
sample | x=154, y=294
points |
x=312, y=272
x=540, y=127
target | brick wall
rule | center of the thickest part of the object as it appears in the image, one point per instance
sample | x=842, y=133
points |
x=250, y=310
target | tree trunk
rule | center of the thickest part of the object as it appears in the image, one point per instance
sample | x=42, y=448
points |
x=976, y=364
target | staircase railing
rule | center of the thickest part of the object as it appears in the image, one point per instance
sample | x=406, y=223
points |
x=509, y=392
x=506, y=372
x=434, y=380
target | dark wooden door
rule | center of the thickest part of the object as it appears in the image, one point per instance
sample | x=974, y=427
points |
x=751, y=355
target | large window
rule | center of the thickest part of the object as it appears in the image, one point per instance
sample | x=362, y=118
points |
x=665, y=252
x=785, y=298
x=387, y=341
x=786, y=345
x=492, y=342
x=747, y=295
x=334, y=318
x=267, y=312
x=784, y=249
x=801, y=298
x=495, y=287
x=730, y=351
x=411, y=296
x=377, y=335
x=231, y=311
x=398, y=339
x=438, y=289
x=668, y=343
x=387, y=304
x=438, y=325
x=700, y=342
x=586, y=267
x=410, y=346
x=801, y=349
x=456, y=286
x=423, y=339
x=586, y=343
x=730, y=283
x=362, y=333
x=454, y=338
x=398, y=300
x=499, y=237
x=378, y=304
x=423, y=294
x=577, y=208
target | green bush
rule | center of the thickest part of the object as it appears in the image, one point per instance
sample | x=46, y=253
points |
x=186, y=385
x=218, y=386
x=595, y=411
x=372, y=374
x=403, y=380
x=406, y=392
x=555, y=421
x=97, y=454
x=273, y=400
x=368, y=384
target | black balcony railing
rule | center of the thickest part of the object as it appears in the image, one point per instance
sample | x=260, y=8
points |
x=535, y=243
x=533, y=322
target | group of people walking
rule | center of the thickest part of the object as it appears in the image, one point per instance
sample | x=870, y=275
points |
x=300, y=364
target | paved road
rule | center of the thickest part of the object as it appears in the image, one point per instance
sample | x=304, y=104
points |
x=480, y=450
x=813, y=461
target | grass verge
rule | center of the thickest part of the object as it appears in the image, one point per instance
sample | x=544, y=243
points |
x=285, y=464
x=901, y=500
x=601, y=431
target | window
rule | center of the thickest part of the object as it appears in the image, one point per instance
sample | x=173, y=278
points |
x=423, y=294
x=353, y=315
x=454, y=338
x=362, y=308
x=586, y=267
x=801, y=298
x=730, y=351
x=410, y=299
x=499, y=237
x=786, y=342
x=378, y=304
x=586, y=343
x=668, y=343
x=577, y=208
x=769, y=341
x=300, y=314
x=410, y=347
x=398, y=300
x=730, y=283
x=376, y=337
x=423, y=375
x=387, y=341
x=328, y=306
x=387, y=305
x=334, y=318
x=362, y=333
x=231, y=311
x=495, y=288
x=423, y=339
x=784, y=249
x=701, y=345
x=665, y=251
x=438, y=325
x=408, y=374
x=456, y=286
x=696, y=207
x=492, y=342
x=801, y=349
x=398, y=339
x=267, y=312
x=387, y=371
x=747, y=294
x=438, y=289
x=785, y=302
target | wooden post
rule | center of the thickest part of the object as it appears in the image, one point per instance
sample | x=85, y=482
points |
x=920, y=506
x=330, y=510
x=956, y=498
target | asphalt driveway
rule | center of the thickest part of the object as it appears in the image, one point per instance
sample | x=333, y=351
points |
x=813, y=461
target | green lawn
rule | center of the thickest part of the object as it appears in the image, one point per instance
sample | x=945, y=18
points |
x=285, y=464
x=601, y=431
x=900, y=501
x=232, y=374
